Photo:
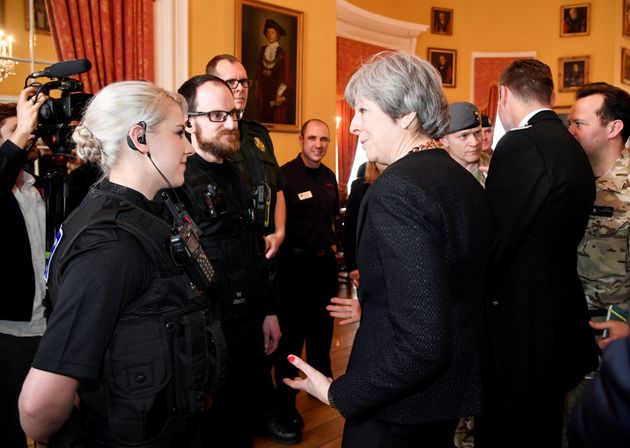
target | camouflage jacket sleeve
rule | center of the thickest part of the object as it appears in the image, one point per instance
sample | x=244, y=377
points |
x=603, y=253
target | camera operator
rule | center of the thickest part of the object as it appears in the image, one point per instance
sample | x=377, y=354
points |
x=23, y=227
x=128, y=334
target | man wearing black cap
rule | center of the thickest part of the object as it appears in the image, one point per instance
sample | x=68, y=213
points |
x=463, y=141
x=273, y=79
x=487, y=135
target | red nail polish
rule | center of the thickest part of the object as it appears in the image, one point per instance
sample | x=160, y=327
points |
x=291, y=358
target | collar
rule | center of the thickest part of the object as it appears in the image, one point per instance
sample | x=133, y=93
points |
x=617, y=175
x=526, y=118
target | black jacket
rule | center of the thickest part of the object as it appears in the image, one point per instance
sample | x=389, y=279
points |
x=541, y=189
x=601, y=419
x=16, y=277
x=425, y=235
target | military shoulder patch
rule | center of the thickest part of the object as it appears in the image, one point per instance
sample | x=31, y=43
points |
x=259, y=144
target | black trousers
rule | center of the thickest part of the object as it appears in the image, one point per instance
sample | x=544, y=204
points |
x=377, y=434
x=232, y=419
x=307, y=282
x=17, y=354
x=521, y=419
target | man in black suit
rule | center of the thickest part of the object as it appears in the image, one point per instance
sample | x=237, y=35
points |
x=541, y=188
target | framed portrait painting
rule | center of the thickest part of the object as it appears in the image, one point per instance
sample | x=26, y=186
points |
x=40, y=17
x=442, y=21
x=575, y=20
x=573, y=73
x=446, y=63
x=269, y=43
x=625, y=65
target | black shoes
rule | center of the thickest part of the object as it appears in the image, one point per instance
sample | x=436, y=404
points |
x=283, y=431
x=296, y=420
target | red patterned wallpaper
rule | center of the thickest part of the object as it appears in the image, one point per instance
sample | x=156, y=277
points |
x=350, y=54
x=487, y=73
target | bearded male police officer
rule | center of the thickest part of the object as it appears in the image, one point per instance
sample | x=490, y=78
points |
x=255, y=157
x=220, y=204
x=256, y=161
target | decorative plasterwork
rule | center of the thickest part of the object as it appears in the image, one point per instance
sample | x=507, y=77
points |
x=364, y=26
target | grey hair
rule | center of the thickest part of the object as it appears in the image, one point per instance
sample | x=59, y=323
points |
x=400, y=83
x=113, y=111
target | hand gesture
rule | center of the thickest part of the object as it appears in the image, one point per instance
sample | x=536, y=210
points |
x=347, y=309
x=315, y=382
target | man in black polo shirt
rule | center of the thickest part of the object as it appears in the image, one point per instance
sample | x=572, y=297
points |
x=307, y=271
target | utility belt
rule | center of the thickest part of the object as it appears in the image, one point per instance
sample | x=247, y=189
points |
x=313, y=252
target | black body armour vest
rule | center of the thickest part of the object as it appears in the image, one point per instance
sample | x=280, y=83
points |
x=167, y=354
x=230, y=240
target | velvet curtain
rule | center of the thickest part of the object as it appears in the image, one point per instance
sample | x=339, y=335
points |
x=490, y=109
x=115, y=35
x=346, y=144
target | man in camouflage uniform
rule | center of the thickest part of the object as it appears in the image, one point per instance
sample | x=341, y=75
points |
x=600, y=121
x=463, y=141
x=487, y=135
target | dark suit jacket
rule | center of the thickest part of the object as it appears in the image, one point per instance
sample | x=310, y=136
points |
x=425, y=235
x=541, y=188
x=357, y=191
x=601, y=419
x=17, y=278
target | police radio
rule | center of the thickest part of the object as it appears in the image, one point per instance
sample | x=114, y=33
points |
x=214, y=202
x=186, y=247
x=262, y=204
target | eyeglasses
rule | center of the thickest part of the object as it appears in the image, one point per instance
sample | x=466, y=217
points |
x=233, y=83
x=218, y=116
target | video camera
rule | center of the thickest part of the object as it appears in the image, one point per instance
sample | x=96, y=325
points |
x=57, y=114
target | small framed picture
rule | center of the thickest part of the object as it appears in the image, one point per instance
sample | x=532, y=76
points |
x=446, y=63
x=442, y=21
x=625, y=65
x=573, y=73
x=626, y=19
x=40, y=17
x=575, y=20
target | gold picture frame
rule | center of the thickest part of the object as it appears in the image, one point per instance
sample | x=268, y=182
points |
x=445, y=61
x=573, y=72
x=575, y=20
x=625, y=65
x=442, y=21
x=275, y=99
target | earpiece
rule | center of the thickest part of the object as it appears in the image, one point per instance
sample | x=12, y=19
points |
x=130, y=143
x=142, y=138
